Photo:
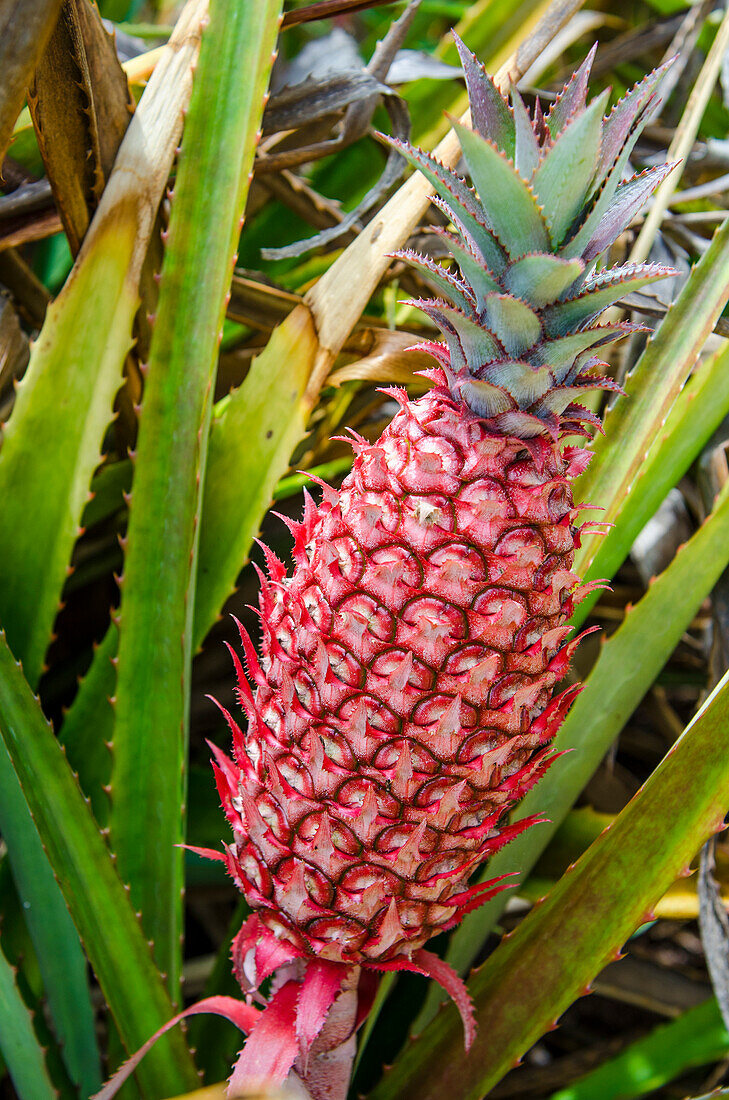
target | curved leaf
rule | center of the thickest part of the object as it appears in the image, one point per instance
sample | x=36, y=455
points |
x=634, y=421
x=250, y=448
x=95, y=896
x=60, y=958
x=699, y=410
x=21, y=1051
x=695, y=1038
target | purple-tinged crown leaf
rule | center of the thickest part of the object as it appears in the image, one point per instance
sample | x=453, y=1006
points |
x=573, y=97
x=618, y=141
x=563, y=178
x=486, y=399
x=559, y=354
x=526, y=156
x=509, y=204
x=480, y=279
x=626, y=120
x=540, y=277
x=478, y=239
x=476, y=343
x=563, y=317
x=490, y=112
x=459, y=291
x=513, y=321
x=525, y=382
x=461, y=202
x=629, y=199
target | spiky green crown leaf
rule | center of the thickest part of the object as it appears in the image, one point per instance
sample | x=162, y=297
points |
x=549, y=199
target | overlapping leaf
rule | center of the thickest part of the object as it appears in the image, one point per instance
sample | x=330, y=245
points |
x=92, y=890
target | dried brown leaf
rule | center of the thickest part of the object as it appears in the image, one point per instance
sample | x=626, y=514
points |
x=293, y=191
x=29, y=227
x=258, y=305
x=318, y=98
x=714, y=925
x=263, y=306
x=25, y=26
x=14, y=348
x=387, y=360
x=29, y=295
x=81, y=106
x=355, y=124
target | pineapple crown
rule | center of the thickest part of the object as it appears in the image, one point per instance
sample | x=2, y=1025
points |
x=520, y=328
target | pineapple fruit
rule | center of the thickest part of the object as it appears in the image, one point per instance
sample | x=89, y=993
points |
x=404, y=700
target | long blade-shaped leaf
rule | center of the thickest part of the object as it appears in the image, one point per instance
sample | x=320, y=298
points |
x=632, y=424
x=21, y=1051
x=699, y=410
x=155, y=634
x=88, y=727
x=93, y=891
x=628, y=663
x=565, y=941
x=250, y=448
x=695, y=1038
x=60, y=958
x=66, y=396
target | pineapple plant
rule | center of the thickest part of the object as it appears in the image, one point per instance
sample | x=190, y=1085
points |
x=405, y=699
x=92, y=873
